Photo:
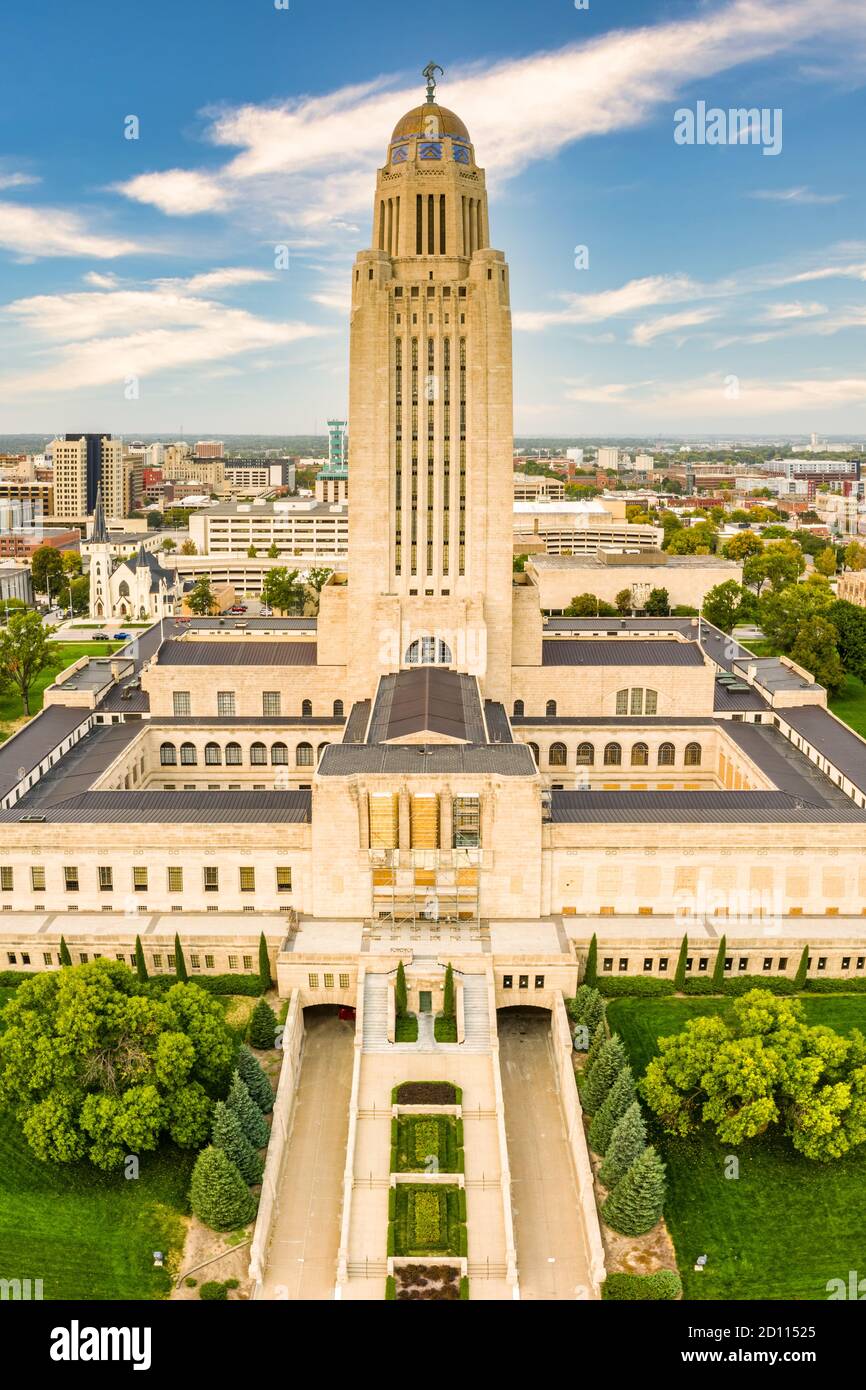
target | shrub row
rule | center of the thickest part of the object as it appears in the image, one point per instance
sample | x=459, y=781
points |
x=620, y=986
x=824, y=985
x=617, y=985
x=250, y=985
x=665, y=1284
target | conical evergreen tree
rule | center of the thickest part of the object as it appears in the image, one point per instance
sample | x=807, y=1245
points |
x=140, y=967
x=626, y=1143
x=263, y=1025
x=448, y=992
x=228, y=1136
x=637, y=1201
x=719, y=967
x=254, y=1079
x=251, y=1119
x=218, y=1194
x=65, y=957
x=608, y=1064
x=680, y=976
x=264, y=964
x=179, y=962
x=618, y=1099
x=590, y=974
x=802, y=970
x=599, y=1038
x=587, y=1007
x=400, y=996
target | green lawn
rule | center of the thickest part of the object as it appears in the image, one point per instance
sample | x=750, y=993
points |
x=86, y=1234
x=63, y=654
x=421, y=1138
x=406, y=1028
x=786, y=1225
x=850, y=704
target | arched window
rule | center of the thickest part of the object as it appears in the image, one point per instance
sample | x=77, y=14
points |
x=320, y=750
x=693, y=755
x=258, y=754
x=585, y=755
x=234, y=756
x=533, y=748
x=518, y=709
x=304, y=755
x=667, y=755
x=168, y=755
x=557, y=755
x=279, y=753
x=651, y=702
x=639, y=755
x=550, y=709
x=123, y=589
x=212, y=754
x=338, y=709
x=428, y=651
x=306, y=709
x=612, y=755
x=622, y=702
x=187, y=755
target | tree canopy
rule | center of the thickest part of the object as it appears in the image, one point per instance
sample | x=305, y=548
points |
x=97, y=1066
x=763, y=1066
x=24, y=652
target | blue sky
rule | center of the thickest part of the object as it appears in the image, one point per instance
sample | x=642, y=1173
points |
x=725, y=290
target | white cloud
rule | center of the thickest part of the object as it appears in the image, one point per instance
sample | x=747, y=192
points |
x=37, y=232
x=313, y=158
x=100, y=280
x=710, y=399
x=645, y=333
x=796, y=195
x=84, y=339
x=629, y=298
x=227, y=278
x=17, y=180
x=795, y=310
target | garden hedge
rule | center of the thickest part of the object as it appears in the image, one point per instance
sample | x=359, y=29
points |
x=616, y=985
x=665, y=1284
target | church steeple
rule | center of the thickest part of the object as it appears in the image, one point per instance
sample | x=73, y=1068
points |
x=100, y=530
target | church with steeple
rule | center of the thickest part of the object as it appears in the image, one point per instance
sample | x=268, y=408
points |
x=139, y=589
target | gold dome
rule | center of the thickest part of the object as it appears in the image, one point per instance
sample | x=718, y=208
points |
x=413, y=122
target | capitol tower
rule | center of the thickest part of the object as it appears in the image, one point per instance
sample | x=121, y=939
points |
x=430, y=417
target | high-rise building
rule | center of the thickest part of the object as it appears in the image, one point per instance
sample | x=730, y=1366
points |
x=209, y=449
x=608, y=459
x=430, y=412
x=337, y=451
x=81, y=463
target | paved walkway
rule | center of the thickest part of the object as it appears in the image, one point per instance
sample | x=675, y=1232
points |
x=551, y=1253
x=302, y=1257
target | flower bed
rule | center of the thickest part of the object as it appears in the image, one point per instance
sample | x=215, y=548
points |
x=427, y=1144
x=429, y=1282
x=426, y=1093
x=427, y=1220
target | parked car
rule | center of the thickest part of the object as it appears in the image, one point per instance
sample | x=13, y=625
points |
x=101, y=637
x=266, y=612
x=123, y=636
x=238, y=608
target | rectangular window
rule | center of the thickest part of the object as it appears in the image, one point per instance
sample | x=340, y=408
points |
x=247, y=880
x=11, y=958
x=822, y=962
x=622, y=702
x=702, y=963
x=226, y=703
x=70, y=878
x=743, y=963
x=181, y=704
x=248, y=962
x=648, y=963
x=139, y=878
x=46, y=957
x=623, y=964
x=175, y=879
x=284, y=879
x=607, y=964
x=467, y=821
x=106, y=878
x=233, y=962
x=208, y=962
x=651, y=704
x=329, y=981
x=195, y=962
x=344, y=982
x=768, y=962
x=172, y=964
x=637, y=701
x=313, y=981
x=846, y=962
x=507, y=981
x=211, y=877
x=157, y=962
x=6, y=878
x=663, y=963
x=83, y=958
x=271, y=704
x=37, y=878
x=539, y=982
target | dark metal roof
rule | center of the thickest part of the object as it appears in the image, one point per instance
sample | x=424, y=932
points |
x=707, y=807
x=237, y=654
x=135, y=702
x=36, y=741
x=399, y=759
x=831, y=738
x=292, y=807
x=623, y=651
x=427, y=699
x=81, y=766
x=623, y=721
x=251, y=624
x=356, y=724
x=786, y=768
x=725, y=699
x=498, y=727
x=230, y=721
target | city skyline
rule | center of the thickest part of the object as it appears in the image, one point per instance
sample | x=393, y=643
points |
x=139, y=276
